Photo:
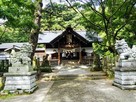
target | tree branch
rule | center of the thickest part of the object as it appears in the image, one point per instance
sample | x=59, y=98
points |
x=115, y=35
x=118, y=9
x=57, y=14
x=94, y=9
x=128, y=13
x=105, y=20
x=129, y=10
x=93, y=3
x=76, y=10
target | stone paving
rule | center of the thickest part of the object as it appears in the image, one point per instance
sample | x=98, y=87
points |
x=37, y=96
x=88, y=91
x=82, y=90
x=73, y=70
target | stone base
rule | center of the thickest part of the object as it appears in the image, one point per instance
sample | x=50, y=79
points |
x=20, y=81
x=125, y=87
x=127, y=63
x=125, y=78
x=20, y=69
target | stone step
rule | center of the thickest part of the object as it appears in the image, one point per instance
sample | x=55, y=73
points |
x=70, y=62
x=91, y=76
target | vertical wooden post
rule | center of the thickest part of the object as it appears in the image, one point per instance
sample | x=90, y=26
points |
x=80, y=55
x=58, y=54
x=45, y=49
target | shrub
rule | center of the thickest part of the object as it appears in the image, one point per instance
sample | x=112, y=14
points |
x=45, y=67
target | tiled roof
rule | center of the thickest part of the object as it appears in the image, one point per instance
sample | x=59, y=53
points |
x=48, y=36
x=4, y=56
x=10, y=45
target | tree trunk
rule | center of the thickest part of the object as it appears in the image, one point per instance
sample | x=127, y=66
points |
x=35, y=31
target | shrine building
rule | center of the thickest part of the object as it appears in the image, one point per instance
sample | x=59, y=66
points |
x=65, y=46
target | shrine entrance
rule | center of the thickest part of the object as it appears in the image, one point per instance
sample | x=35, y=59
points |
x=70, y=56
x=71, y=46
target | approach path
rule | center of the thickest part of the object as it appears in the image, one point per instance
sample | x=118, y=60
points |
x=75, y=90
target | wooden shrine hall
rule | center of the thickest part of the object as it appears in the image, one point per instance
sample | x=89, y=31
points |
x=68, y=45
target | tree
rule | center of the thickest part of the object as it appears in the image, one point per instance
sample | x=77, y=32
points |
x=23, y=17
x=37, y=22
x=108, y=18
x=19, y=16
x=59, y=16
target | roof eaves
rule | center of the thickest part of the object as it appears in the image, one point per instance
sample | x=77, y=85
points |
x=80, y=37
x=57, y=38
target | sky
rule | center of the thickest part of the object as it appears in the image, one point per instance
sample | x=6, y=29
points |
x=58, y=1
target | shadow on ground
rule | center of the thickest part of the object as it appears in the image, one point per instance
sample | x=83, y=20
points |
x=88, y=91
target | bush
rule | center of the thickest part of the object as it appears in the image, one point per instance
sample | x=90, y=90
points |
x=108, y=65
x=1, y=83
x=45, y=67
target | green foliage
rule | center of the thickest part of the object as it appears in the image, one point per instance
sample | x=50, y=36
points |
x=96, y=63
x=4, y=64
x=58, y=16
x=108, y=64
x=19, y=16
x=1, y=84
x=111, y=20
x=45, y=67
x=18, y=13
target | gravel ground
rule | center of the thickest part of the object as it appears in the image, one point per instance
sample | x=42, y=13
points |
x=76, y=91
x=88, y=91
x=84, y=90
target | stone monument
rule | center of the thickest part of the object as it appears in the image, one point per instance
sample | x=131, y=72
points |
x=125, y=72
x=20, y=75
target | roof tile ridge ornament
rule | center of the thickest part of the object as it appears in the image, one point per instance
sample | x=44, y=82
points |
x=69, y=28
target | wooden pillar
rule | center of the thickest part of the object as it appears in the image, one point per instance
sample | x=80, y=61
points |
x=80, y=55
x=59, y=55
x=45, y=49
